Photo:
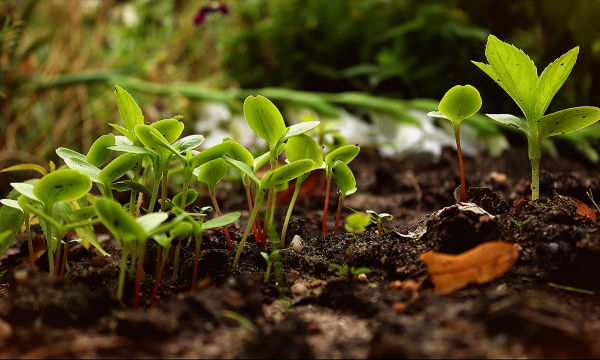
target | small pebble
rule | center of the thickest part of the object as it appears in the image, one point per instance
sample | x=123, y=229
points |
x=395, y=285
x=399, y=307
x=362, y=277
x=296, y=244
x=553, y=247
x=410, y=287
x=21, y=276
x=498, y=177
x=299, y=289
x=6, y=330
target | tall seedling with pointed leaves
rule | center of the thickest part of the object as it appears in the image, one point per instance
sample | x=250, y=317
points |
x=459, y=103
x=516, y=73
x=346, y=182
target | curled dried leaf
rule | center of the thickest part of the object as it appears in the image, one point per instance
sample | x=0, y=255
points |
x=481, y=264
x=584, y=212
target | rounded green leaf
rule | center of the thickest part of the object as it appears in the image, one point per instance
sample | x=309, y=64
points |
x=221, y=221
x=151, y=221
x=346, y=154
x=460, y=102
x=83, y=213
x=356, y=223
x=83, y=167
x=62, y=185
x=64, y=153
x=188, y=143
x=286, y=173
x=100, y=152
x=209, y=154
x=213, y=171
x=145, y=132
x=303, y=147
x=239, y=152
x=192, y=195
x=171, y=129
x=264, y=119
x=301, y=128
x=181, y=230
x=118, y=220
x=117, y=168
x=343, y=177
x=134, y=185
x=25, y=189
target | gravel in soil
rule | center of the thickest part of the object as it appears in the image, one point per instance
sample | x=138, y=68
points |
x=546, y=305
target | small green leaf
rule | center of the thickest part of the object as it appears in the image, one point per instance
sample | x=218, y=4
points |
x=83, y=213
x=123, y=131
x=181, y=230
x=34, y=167
x=129, y=110
x=460, y=102
x=188, y=143
x=87, y=233
x=62, y=185
x=25, y=189
x=239, y=152
x=346, y=154
x=512, y=120
x=568, y=120
x=192, y=195
x=212, y=172
x=221, y=221
x=134, y=149
x=65, y=153
x=265, y=256
x=171, y=129
x=151, y=137
x=12, y=203
x=356, y=223
x=83, y=167
x=6, y=240
x=119, y=221
x=343, y=177
x=149, y=222
x=264, y=119
x=303, y=147
x=286, y=173
x=300, y=128
x=209, y=154
x=361, y=271
x=117, y=168
x=134, y=185
x=242, y=168
x=553, y=77
x=100, y=152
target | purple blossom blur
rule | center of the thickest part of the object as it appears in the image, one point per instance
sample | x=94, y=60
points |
x=209, y=9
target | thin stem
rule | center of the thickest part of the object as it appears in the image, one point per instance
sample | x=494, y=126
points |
x=50, y=241
x=136, y=176
x=157, y=283
x=326, y=206
x=249, y=198
x=260, y=195
x=154, y=192
x=463, y=190
x=64, y=263
x=133, y=262
x=124, y=254
x=196, y=256
x=211, y=191
x=141, y=195
x=265, y=232
x=139, y=275
x=170, y=258
x=163, y=204
x=176, y=261
x=29, y=241
x=535, y=179
x=379, y=228
x=268, y=271
x=337, y=216
x=186, y=184
x=290, y=208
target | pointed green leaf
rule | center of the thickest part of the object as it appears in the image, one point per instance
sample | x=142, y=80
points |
x=87, y=233
x=192, y=195
x=117, y=168
x=221, y=221
x=264, y=119
x=129, y=110
x=568, y=120
x=343, y=176
x=516, y=71
x=136, y=186
x=100, y=152
x=212, y=172
x=149, y=137
x=65, y=153
x=209, y=154
x=118, y=220
x=123, y=131
x=460, y=102
x=438, y=114
x=12, y=203
x=34, y=167
x=171, y=129
x=553, y=77
x=152, y=221
x=134, y=149
x=512, y=120
x=119, y=186
x=6, y=239
x=242, y=168
x=83, y=213
x=122, y=140
x=239, y=152
x=300, y=128
x=286, y=173
x=62, y=185
x=345, y=154
x=304, y=147
x=490, y=72
x=163, y=143
x=83, y=167
x=188, y=143
x=25, y=189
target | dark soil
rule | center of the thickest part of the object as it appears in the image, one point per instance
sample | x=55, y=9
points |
x=546, y=305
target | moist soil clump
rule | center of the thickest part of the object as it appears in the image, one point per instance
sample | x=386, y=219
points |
x=546, y=305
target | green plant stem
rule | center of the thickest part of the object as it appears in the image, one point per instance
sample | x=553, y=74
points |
x=268, y=271
x=176, y=262
x=163, y=186
x=249, y=198
x=187, y=177
x=379, y=227
x=265, y=231
x=290, y=208
x=260, y=195
x=463, y=190
x=198, y=240
x=136, y=176
x=133, y=262
x=50, y=229
x=535, y=154
x=29, y=240
x=337, y=216
x=64, y=262
x=140, y=274
x=124, y=254
x=154, y=192
x=140, y=195
x=211, y=191
x=157, y=283
x=326, y=205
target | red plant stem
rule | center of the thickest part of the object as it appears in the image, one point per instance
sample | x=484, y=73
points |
x=158, y=256
x=258, y=228
x=463, y=190
x=265, y=233
x=195, y=267
x=326, y=206
x=170, y=258
x=379, y=229
x=57, y=256
x=64, y=263
x=156, y=284
x=138, y=281
x=249, y=198
x=337, y=216
x=214, y=200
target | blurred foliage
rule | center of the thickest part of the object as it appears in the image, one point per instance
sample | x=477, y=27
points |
x=59, y=60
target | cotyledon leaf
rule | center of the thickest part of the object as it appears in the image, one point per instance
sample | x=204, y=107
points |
x=264, y=119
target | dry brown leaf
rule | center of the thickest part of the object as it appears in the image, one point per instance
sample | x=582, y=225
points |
x=481, y=264
x=584, y=213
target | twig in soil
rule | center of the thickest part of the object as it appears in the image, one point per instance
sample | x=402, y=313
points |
x=78, y=345
x=589, y=194
x=562, y=287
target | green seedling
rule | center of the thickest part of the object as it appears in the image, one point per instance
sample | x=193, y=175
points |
x=211, y=173
x=520, y=225
x=516, y=73
x=350, y=270
x=266, y=121
x=377, y=218
x=345, y=154
x=177, y=233
x=276, y=190
x=20, y=205
x=134, y=232
x=280, y=175
x=356, y=224
x=346, y=182
x=459, y=103
x=297, y=148
x=270, y=259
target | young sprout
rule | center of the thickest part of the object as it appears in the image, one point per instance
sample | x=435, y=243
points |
x=297, y=148
x=177, y=233
x=211, y=173
x=459, y=103
x=516, y=73
x=356, y=224
x=377, y=218
x=345, y=154
x=350, y=270
x=345, y=181
x=270, y=259
x=20, y=205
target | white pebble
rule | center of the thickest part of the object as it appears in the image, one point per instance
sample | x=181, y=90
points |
x=299, y=289
x=21, y=276
x=296, y=244
x=362, y=277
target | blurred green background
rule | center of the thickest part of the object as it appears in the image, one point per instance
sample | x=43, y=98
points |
x=60, y=60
